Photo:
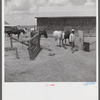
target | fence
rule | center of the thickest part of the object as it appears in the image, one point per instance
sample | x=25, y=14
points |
x=33, y=45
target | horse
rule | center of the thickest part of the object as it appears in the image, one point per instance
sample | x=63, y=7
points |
x=61, y=36
x=44, y=33
x=66, y=36
x=17, y=31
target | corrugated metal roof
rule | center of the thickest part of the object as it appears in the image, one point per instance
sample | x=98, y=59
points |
x=10, y=25
x=66, y=12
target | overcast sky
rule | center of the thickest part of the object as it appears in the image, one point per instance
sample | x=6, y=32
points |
x=23, y=11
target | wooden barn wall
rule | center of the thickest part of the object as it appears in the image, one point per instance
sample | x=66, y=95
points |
x=66, y=21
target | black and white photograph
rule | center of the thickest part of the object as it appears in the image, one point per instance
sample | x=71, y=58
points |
x=50, y=40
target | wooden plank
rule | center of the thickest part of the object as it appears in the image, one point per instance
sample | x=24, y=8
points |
x=14, y=48
x=34, y=47
x=29, y=50
x=32, y=50
x=81, y=39
x=36, y=53
x=17, y=56
x=11, y=41
x=19, y=41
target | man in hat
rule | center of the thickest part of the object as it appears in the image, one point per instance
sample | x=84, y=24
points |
x=33, y=32
x=72, y=40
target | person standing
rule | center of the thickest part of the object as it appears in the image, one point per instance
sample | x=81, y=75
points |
x=33, y=32
x=72, y=40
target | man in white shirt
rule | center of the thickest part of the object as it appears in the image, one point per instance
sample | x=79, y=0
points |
x=72, y=40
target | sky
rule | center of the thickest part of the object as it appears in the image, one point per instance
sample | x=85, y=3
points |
x=22, y=12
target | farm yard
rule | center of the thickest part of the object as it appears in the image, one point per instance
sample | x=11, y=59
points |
x=52, y=64
x=50, y=46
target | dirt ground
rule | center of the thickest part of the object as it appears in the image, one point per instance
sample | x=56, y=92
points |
x=57, y=65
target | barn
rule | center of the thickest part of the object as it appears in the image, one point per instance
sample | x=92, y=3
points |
x=61, y=20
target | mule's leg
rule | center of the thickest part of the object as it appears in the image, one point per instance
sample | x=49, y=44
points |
x=68, y=42
x=65, y=41
x=55, y=39
x=62, y=42
x=59, y=42
x=9, y=34
x=18, y=36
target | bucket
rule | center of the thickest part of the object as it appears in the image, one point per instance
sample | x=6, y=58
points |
x=86, y=46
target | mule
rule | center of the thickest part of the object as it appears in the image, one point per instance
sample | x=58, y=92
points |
x=66, y=36
x=60, y=36
x=44, y=33
x=17, y=31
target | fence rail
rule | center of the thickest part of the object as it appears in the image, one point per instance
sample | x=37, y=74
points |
x=32, y=43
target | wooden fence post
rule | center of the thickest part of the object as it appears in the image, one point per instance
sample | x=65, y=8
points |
x=81, y=39
x=16, y=53
x=39, y=40
x=11, y=41
x=34, y=47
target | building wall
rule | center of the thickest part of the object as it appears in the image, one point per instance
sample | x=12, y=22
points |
x=66, y=21
x=60, y=23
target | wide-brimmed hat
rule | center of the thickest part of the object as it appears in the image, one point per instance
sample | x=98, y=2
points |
x=32, y=29
x=73, y=30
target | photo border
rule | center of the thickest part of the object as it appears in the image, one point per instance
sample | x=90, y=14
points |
x=1, y=49
x=98, y=49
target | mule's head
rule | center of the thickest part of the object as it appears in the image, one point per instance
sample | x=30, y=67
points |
x=67, y=32
x=23, y=30
x=44, y=33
